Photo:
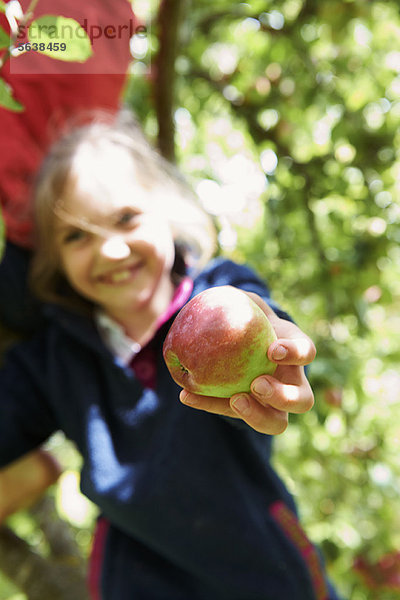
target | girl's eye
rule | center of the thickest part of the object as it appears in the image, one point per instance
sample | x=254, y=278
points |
x=126, y=218
x=75, y=235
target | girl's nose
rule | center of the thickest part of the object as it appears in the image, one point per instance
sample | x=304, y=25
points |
x=115, y=248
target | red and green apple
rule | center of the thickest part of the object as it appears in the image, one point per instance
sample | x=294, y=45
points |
x=218, y=343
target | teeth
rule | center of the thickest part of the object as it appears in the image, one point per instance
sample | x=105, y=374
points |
x=120, y=276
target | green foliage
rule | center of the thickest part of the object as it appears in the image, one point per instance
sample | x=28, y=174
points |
x=4, y=39
x=8, y=591
x=60, y=38
x=6, y=98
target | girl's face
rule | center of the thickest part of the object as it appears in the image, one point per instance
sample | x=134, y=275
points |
x=115, y=248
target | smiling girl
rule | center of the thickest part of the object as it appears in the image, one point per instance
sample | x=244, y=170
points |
x=191, y=506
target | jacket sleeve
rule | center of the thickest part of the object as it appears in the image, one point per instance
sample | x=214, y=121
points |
x=26, y=420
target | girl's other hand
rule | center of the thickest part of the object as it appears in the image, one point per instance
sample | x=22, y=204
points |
x=24, y=481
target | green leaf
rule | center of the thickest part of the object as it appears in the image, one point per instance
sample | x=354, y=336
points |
x=2, y=6
x=6, y=98
x=60, y=38
x=4, y=39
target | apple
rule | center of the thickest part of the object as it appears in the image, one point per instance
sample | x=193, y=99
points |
x=218, y=343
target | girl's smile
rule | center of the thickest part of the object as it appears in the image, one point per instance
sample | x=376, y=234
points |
x=120, y=276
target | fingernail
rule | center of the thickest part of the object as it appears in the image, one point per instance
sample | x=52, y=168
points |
x=187, y=398
x=262, y=388
x=279, y=352
x=241, y=404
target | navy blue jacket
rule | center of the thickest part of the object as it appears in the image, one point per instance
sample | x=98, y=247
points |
x=195, y=507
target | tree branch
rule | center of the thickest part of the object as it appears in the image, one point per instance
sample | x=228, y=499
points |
x=169, y=17
x=39, y=578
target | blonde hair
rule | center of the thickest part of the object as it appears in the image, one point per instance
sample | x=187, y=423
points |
x=192, y=229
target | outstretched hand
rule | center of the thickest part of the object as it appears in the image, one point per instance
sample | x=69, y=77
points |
x=266, y=409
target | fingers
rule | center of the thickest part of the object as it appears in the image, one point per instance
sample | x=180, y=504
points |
x=264, y=419
x=296, y=351
x=287, y=392
x=211, y=404
x=291, y=393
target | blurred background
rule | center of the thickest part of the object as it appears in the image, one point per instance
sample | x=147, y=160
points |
x=284, y=116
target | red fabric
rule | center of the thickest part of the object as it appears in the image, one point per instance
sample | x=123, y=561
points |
x=97, y=558
x=144, y=363
x=288, y=521
x=51, y=92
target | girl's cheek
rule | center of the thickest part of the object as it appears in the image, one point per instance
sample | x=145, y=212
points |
x=157, y=238
x=72, y=266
